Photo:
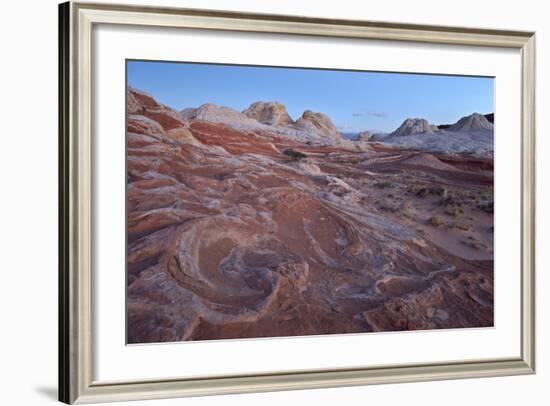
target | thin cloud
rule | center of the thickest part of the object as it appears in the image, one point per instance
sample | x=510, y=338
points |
x=381, y=115
x=370, y=113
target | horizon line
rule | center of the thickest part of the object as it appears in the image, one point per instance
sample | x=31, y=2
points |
x=128, y=87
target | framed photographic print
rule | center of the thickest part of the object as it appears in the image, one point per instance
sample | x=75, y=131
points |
x=264, y=202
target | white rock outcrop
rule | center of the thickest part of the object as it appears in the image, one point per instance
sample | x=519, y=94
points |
x=414, y=126
x=473, y=122
x=319, y=123
x=270, y=113
x=310, y=127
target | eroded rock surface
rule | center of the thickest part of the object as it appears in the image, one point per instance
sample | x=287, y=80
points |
x=318, y=122
x=364, y=136
x=270, y=113
x=473, y=122
x=229, y=237
x=414, y=126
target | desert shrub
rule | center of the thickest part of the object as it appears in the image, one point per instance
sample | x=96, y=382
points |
x=383, y=184
x=473, y=244
x=490, y=193
x=454, y=198
x=435, y=221
x=462, y=226
x=388, y=206
x=297, y=155
x=422, y=192
x=454, y=211
x=438, y=191
x=487, y=206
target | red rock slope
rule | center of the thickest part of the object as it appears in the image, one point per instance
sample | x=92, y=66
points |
x=232, y=236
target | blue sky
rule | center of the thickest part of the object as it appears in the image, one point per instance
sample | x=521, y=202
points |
x=355, y=101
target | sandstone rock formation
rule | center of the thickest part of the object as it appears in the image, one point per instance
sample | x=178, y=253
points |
x=319, y=123
x=269, y=118
x=141, y=103
x=414, y=126
x=229, y=237
x=471, y=135
x=216, y=114
x=270, y=113
x=472, y=123
x=364, y=136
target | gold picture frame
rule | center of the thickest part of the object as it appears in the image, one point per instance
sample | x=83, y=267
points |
x=76, y=20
